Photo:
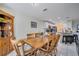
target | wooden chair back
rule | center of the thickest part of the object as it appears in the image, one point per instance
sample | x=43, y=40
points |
x=49, y=47
x=52, y=43
x=15, y=47
x=57, y=37
x=32, y=35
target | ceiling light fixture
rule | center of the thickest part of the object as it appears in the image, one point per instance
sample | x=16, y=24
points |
x=67, y=17
x=35, y=4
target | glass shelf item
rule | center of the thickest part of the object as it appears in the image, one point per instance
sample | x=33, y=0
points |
x=2, y=24
x=6, y=27
x=9, y=25
x=2, y=33
x=10, y=33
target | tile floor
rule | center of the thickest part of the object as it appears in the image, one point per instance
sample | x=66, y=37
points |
x=66, y=49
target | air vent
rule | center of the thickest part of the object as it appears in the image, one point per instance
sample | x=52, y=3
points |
x=45, y=9
x=67, y=17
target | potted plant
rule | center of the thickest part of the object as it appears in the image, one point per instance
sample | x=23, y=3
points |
x=2, y=24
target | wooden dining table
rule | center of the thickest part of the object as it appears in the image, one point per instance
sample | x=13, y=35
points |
x=34, y=42
x=37, y=42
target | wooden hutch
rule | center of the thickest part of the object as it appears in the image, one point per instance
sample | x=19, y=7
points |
x=6, y=32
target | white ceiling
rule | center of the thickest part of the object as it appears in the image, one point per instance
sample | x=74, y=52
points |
x=54, y=10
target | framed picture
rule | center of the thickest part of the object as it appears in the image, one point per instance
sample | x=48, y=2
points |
x=77, y=26
x=33, y=24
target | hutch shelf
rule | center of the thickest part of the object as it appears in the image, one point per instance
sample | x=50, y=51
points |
x=6, y=33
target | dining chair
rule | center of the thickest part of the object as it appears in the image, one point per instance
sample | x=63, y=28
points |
x=48, y=48
x=15, y=47
x=30, y=51
x=37, y=34
x=44, y=49
x=57, y=37
x=51, y=47
x=21, y=51
x=31, y=35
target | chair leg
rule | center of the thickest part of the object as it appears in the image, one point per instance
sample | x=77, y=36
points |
x=38, y=52
x=55, y=51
